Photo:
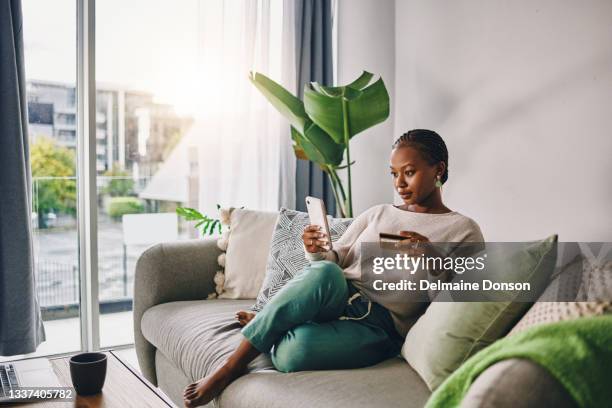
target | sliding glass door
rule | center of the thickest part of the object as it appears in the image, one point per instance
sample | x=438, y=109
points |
x=109, y=103
x=145, y=61
x=136, y=108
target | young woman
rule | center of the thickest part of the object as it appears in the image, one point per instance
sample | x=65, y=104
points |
x=314, y=322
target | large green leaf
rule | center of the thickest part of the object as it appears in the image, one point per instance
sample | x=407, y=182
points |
x=316, y=146
x=297, y=144
x=363, y=80
x=326, y=112
x=365, y=107
x=331, y=152
x=358, y=84
x=369, y=109
x=287, y=104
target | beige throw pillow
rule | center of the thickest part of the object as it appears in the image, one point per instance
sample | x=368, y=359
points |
x=248, y=245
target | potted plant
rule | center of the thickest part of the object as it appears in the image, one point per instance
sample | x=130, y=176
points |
x=323, y=124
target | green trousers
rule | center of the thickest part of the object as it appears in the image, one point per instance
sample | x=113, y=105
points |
x=318, y=321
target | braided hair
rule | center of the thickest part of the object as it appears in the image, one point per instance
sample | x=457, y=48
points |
x=429, y=144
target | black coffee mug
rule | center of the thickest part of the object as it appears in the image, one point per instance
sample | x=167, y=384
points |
x=88, y=372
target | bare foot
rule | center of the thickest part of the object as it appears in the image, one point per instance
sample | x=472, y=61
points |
x=206, y=389
x=244, y=317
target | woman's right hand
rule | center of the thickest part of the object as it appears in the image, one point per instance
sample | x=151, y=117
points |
x=315, y=240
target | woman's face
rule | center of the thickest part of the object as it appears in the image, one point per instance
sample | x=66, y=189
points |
x=413, y=177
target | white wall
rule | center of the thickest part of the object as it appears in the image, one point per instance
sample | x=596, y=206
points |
x=522, y=93
x=366, y=41
x=520, y=90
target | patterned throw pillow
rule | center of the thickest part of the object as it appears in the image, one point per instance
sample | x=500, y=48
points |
x=594, y=282
x=286, y=256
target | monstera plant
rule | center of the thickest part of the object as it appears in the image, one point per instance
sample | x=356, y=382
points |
x=323, y=124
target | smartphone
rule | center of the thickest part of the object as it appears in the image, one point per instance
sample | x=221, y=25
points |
x=318, y=216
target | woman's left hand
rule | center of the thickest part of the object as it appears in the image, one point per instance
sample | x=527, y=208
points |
x=412, y=236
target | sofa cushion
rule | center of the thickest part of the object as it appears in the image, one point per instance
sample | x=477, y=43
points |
x=248, y=245
x=197, y=336
x=579, y=280
x=596, y=281
x=286, y=256
x=389, y=384
x=170, y=379
x=450, y=332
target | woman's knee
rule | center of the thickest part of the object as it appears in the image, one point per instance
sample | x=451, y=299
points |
x=293, y=352
x=325, y=272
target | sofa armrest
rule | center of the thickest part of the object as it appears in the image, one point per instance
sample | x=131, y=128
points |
x=516, y=383
x=170, y=272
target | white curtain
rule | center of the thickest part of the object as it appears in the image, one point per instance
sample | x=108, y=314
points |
x=245, y=153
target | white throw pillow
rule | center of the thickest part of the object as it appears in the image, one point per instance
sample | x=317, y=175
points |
x=248, y=245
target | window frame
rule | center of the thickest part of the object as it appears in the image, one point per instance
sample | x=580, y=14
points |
x=87, y=215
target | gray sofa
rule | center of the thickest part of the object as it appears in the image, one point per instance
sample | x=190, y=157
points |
x=180, y=337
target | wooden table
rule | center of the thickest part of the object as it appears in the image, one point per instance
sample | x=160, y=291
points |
x=124, y=388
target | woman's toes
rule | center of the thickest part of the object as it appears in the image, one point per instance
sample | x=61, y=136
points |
x=244, y=317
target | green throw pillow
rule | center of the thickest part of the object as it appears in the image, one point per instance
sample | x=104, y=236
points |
x=448, y=333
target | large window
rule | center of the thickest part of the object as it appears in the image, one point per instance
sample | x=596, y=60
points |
x=141, y=116
x=145, y=57
x=176, y=123
x=142, y=113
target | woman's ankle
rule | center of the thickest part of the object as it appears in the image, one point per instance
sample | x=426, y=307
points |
x=234, y=369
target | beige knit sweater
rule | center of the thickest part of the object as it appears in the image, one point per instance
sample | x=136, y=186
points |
x=448, y=227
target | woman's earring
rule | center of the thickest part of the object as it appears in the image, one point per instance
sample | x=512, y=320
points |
x=438, y=182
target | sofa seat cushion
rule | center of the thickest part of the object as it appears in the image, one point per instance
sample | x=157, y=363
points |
x=392, y=383
x=197, y=336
